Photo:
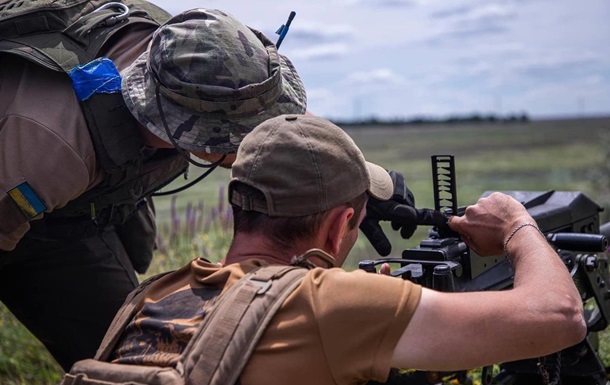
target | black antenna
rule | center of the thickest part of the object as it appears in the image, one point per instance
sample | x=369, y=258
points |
x=443, y=175
x=283, y=30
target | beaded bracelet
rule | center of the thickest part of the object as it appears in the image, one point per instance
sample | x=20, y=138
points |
x=515, y=231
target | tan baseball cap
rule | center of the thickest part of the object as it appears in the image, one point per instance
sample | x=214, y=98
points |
x=303, y=165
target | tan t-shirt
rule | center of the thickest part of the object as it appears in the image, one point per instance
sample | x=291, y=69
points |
x=44, y=140
x=337, y=327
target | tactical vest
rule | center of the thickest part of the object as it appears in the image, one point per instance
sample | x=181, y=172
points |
x=219, y=349
x=62, y=34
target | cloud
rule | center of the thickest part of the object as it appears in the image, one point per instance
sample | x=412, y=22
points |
x=316, y=34
x=481, y=68
x=387, y=3
x=476, y=13
x=445, y=13
x=582, y=95
x=556, y=65
x=499, y=49
x=377, y=77
x=401, y=57
x=538, y=68
x=472, y=22
x=326, y=102
x=320, y=96
x=320, y=42
x=320, y=52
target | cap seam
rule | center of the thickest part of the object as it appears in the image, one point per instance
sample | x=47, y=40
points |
x=316, y=165
x=270, y=202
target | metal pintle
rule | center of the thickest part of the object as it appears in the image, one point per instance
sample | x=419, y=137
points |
x=443, y=175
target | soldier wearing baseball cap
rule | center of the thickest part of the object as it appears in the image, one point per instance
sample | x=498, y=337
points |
x=298, y=187
x=298, y=190
x=85, y=144
x=303, y=165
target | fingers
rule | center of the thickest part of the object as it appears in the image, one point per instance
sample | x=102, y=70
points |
x=455, y=223
x=385, y=269
x=402, y=193
x=405, y=219
x=484, y=225
x=373, y=232
x=406, y=231
x=403, y=214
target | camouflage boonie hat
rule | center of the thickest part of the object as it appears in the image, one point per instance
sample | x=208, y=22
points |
x=217, y=79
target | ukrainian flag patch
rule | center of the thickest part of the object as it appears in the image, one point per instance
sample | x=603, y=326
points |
x=27, y=200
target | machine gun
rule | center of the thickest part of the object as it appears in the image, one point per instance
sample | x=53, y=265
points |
x=570, y=221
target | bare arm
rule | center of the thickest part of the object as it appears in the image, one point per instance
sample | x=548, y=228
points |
x=542, y=314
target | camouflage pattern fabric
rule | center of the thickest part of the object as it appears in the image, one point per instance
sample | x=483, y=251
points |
x=217, y=80
x=164, y=328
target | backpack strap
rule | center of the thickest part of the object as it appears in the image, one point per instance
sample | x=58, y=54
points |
x=62, y=34
x=217, y=354
x=123, y=317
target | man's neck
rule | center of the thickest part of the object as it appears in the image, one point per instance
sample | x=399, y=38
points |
x=250, y=246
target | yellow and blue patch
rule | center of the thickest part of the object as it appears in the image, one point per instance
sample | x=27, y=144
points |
x=27, y=200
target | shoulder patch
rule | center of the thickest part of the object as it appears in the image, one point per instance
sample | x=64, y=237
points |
x=27, y=200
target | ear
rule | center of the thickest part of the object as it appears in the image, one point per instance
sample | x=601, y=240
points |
x=336, y=227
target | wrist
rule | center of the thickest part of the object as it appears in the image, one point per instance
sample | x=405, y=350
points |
x=520, y=228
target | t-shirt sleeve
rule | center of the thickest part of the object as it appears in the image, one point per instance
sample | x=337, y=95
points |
x=39, y=171
x=360, y=317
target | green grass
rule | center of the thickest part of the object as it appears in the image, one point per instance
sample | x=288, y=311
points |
x=23, y=360
x=560, y=155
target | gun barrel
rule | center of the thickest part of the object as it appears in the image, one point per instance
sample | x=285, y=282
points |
x=578, y=241
x=605, y=229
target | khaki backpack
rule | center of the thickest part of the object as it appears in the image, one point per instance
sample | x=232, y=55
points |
x=220, y=348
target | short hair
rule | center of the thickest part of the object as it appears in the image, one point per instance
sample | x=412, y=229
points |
x=285, y=231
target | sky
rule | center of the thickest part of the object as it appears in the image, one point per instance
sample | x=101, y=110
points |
x=435, y=58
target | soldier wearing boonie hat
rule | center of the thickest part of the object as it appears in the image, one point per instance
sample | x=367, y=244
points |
x=83, y=161
x=207, y=80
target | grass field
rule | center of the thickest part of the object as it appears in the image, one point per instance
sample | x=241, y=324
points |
x=546, y=155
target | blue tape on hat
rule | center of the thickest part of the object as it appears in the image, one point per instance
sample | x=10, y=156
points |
x=98, y=76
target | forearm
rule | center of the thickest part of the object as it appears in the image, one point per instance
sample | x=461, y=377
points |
x=540, y=315
x=544, y=285
x=538, y=267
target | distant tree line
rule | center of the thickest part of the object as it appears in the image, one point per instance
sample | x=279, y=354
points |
x=452, y=119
